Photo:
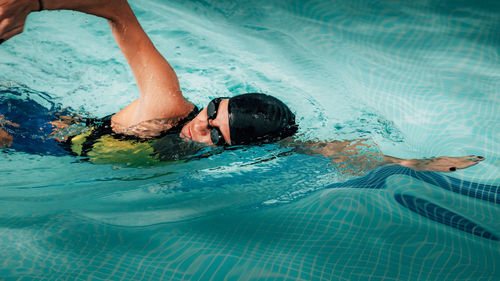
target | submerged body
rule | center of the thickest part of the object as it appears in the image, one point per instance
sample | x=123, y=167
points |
x=30, y=127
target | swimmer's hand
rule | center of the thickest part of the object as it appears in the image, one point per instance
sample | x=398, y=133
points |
x=437, y=164
x=13, y=15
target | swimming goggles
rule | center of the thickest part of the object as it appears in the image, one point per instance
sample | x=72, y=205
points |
x=215, y=133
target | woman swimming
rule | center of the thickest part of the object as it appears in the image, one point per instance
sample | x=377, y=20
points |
x=162, y=109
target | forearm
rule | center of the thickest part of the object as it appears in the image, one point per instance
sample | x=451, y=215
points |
x=332, y=148
x=358, y=154
x=108, y=9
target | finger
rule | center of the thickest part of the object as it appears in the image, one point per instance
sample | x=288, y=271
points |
x=476, y=158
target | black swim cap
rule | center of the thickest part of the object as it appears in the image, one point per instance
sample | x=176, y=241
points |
x=259, y=118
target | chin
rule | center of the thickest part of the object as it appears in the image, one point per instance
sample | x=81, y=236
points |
x=185, y=132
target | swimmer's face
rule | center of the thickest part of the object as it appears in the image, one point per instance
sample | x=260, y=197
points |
x=200, y=128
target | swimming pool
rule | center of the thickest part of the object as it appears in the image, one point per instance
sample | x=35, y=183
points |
x=419, y=79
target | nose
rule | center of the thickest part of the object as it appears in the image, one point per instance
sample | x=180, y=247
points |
x=200, y=126
x=211, y=123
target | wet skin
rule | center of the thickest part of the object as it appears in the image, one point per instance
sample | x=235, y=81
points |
x=348, y=153
x=198, y=131
x=438, y=164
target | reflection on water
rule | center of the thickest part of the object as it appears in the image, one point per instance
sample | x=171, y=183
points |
x=418, y=78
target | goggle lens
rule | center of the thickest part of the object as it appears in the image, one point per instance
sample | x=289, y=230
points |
x=215, y=133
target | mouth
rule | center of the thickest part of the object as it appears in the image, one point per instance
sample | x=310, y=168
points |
x=186, y=132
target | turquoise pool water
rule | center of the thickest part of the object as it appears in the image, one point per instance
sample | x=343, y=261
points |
x=419, y=79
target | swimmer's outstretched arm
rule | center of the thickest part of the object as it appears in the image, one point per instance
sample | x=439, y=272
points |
x=353, y=154
x=439, y=164
x=161, y=97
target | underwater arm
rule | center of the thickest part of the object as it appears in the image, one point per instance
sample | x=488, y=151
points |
x=363, y=155
x=437, y=164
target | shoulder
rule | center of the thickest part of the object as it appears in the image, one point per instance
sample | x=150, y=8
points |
x=146, y=129
x=150, y=125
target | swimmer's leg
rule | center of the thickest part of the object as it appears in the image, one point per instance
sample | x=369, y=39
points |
x=437, y=164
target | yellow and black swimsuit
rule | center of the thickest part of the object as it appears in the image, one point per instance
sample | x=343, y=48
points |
x=101, y=145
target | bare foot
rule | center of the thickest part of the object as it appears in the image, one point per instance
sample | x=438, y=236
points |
x=4, y=122
x=5, y=139
x=438, y=164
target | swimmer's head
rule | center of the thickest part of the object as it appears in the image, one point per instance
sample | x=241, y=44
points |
x=252, y=118
x=259, y=118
